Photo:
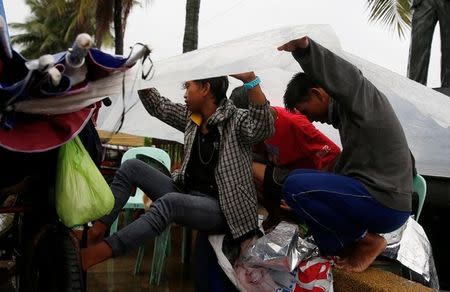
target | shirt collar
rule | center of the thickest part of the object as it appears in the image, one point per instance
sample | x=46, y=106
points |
x=219, y=115
x=197, y=119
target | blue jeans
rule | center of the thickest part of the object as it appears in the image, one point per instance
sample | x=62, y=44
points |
x=337, y=209
x=170, y=205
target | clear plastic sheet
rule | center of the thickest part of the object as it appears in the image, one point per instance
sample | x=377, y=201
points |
x=282, y=249
x=410, y=246
x=422, y=111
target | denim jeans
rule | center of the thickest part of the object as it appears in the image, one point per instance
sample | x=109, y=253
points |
x=170, y=205
x=337, y=209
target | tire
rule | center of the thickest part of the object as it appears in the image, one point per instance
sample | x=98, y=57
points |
x=52, y=263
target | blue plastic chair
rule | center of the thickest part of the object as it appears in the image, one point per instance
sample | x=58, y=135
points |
x=136, y=202
x=420, y=188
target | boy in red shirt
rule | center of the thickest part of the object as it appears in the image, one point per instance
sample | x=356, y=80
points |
x=296, y=144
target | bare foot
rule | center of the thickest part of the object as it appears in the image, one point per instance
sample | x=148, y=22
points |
x=92, y=239
x=84, y=255
x=95, y=234
x=364, y=253
x=95, y=254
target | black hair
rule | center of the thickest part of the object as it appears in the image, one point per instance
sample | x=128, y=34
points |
x=297, y=90
x=218, y=87
x=239, y=96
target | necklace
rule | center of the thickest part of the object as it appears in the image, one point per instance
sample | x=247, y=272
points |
x=200, y=152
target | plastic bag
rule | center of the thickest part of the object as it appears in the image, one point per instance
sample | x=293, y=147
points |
x=282, y=249
x=410, y=246
x=271, y=263
x=82, y=194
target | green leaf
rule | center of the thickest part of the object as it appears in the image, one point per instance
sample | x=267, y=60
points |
x=393, y=14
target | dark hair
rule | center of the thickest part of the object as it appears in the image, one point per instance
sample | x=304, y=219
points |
x=218, y=87
x=239, y=96
x=297, y=90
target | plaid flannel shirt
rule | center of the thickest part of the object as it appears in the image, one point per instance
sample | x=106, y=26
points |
x=239, y=130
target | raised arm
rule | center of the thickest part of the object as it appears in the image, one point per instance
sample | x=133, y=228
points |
x=173, y=114
x=341, y=79
x=256, y=124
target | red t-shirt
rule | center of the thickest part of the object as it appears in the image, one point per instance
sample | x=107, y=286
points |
x=298, y=144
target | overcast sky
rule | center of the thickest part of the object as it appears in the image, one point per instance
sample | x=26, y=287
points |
x=160, y=23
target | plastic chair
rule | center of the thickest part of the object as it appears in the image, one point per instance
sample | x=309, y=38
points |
x=136, y=202
x=420, y=188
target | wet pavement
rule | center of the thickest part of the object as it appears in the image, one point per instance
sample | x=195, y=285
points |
x=117, y=274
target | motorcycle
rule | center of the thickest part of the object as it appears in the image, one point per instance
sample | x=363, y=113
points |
x=44, y=104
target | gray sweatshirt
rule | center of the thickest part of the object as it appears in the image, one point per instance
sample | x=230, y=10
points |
x=375, y=150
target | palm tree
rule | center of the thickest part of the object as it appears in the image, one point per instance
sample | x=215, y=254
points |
x=48, y=30
x=190, y=41
x=105, y=13
x=54, y=25
x=395, y=14
x=116, y=12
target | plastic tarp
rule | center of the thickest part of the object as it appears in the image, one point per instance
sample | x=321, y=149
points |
x=423, y=112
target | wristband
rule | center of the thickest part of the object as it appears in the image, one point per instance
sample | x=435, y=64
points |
x=252, y=84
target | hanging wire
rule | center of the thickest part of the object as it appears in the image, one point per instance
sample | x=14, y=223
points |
x=145, y=75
